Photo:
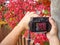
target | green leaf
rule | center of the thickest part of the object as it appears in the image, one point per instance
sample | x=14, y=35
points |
x=46, y=12
x=23, y=32
x=46, y=43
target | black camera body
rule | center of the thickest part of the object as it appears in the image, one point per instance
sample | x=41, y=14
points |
x=40, y=24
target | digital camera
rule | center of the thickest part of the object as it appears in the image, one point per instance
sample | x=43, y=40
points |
x=40, y=24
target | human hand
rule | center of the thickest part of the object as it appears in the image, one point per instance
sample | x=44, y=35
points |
x=53, y=32
x=26, y=19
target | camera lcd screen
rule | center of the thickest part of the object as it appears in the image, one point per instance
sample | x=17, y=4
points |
x=40, y=26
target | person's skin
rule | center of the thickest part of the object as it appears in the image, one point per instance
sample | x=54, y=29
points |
x=53, y=34
x=12, y=38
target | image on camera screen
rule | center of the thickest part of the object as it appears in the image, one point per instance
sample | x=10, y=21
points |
x=40, y=26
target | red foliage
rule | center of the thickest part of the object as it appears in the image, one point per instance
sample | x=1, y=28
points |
x=18, y=8
x=2, y=1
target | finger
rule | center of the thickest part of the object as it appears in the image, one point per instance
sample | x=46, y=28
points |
x=26, y=41
x=27, y=13
x=52, y=22
x=31, y=43
x=31, y=13
x=35, y=15
x=22, y=40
